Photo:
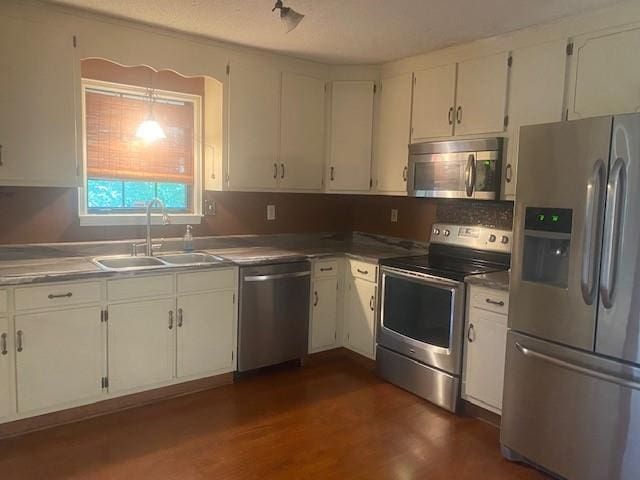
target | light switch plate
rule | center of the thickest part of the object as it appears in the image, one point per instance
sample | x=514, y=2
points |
x=394, y=215
x=271, y=212
x=209, y=207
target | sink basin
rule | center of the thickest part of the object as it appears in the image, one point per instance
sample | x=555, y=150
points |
x=192, y=258
x=128, y=263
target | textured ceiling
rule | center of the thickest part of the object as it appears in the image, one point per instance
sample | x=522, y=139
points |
x=345, y=31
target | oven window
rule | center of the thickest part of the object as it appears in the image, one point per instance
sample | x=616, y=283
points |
x=418, y=311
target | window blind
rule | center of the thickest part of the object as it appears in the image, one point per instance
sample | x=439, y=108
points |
x=113, y=150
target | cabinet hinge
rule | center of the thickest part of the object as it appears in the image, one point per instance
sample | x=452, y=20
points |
x=370, y=183
x=506, y=120
x=234, y=298
x=232, y=355
x=75, y=41
x=569, y=49
x=509, y=61
x=105, y=383
x=375, y=88
x=228, y=68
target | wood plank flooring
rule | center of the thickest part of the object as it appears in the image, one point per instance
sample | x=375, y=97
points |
x=331, y=419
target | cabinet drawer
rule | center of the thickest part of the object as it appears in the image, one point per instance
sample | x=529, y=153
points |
x=488, y=299
x=3, y=301
x=207, y=280
x=57, y=294
x=325, y=268
x=137, y=287
x=364, y=270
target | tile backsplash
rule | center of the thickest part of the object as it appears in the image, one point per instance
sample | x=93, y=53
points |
x=465, y=212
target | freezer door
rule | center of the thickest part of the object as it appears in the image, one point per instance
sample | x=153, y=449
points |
x=561, y=166
x=571, y=412
x=618, y=331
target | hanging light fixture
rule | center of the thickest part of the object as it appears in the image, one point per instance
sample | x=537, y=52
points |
x=150, y=130
x=290, y=18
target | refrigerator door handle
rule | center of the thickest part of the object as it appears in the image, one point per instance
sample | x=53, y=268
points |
x=594, y=214
x=623, y=382
x=613, y=231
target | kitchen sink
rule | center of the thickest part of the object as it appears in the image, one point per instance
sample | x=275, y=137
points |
x=128, y=263
x=192, y=258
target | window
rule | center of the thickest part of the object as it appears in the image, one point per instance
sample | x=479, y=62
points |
x=123, y=172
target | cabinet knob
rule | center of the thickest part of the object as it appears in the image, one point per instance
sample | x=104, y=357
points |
x=315, y=299
x=459, y=115
x=372, y=303
x=170, y=319
x=404, y=174
x=275, y=170
x=19, y=336
x=3, y=344
x=471, y=333
x=1, y=164
x=332, y=172
x=282, y=172
x=508, y=173
x=179, y=317
x=450, y=116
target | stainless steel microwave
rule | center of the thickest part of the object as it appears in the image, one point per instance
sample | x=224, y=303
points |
x=456, y=169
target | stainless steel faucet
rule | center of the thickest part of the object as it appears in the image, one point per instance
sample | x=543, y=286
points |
x=165, y=221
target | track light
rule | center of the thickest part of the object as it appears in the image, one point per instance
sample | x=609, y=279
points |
x=290, y=18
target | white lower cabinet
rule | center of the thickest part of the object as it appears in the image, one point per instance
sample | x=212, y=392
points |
x=141, y=343
x=59, y=358
x=485, y=345
x=7, y=405
x=205, y=333
x=359, y=316
x=324, y=314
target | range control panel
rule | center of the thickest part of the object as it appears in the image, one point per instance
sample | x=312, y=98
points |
x=468, y=236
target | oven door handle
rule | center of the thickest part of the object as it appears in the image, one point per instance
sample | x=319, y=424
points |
x=437, y=282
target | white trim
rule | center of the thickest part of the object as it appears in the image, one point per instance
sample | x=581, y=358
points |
x=140, y=218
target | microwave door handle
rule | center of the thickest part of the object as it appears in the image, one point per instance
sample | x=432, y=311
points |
x=593, y=219
x=612, y=234
x=470, y=175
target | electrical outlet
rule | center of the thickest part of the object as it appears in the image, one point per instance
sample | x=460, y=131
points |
x=394, y=215
x=271, y=212
x=209, y=207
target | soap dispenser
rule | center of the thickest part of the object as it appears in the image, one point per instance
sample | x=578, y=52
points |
x=188, y=240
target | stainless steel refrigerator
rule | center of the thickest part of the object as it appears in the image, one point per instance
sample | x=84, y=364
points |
x=572, y=382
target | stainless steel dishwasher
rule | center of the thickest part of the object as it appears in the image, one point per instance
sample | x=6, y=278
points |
x=274, y=314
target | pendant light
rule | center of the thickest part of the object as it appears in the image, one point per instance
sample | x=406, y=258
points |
x=150, y=130
x=290, y=18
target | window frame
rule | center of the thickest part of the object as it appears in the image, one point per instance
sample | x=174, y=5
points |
x=139, y=217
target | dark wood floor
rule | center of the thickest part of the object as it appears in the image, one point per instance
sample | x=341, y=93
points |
x=332, y=419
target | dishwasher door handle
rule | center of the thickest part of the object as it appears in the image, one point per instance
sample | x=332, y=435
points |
x=276, y=276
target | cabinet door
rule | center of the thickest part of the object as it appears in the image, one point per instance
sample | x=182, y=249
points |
x=141, y=344
x=205, y=333
x=59, y=358
x=302, y=133
x=324, y=314
x=359, y=317
x=434, y=92
x=37, y=105
x=482, y=95
x=605, y=74
x=254, y=127
x=349, y=166
x=6, y=346
x=392, y=134
x=536, y=90
x=484, y=365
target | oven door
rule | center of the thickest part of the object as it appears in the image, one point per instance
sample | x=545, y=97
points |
x=422, y=317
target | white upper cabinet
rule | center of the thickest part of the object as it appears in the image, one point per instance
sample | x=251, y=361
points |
x=434, y=98
x=254, y=127
x=536, y=90
x=349, y=167
x=605, y=74
x=302, y=133
x=482, y=95
x=392, y=134
x=37, y=105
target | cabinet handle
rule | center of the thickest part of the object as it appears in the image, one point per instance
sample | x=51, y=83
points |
x=459, y=115
x=19, y=335
x=332, y=170
x=508, y=173
x=363, y=272
x=1, y=164
x=494, y=302
x=315, y=299
x=372, y=303
x=3, y=344
x=450, y=116
x=275, y=170
x=282, y=173
x=179, y=317
x=404, y=174
x=326, y=269
x=170, y=319
x=471, y=333
x=60, y=295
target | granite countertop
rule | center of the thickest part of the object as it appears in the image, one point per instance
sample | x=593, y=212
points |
x=495, y=280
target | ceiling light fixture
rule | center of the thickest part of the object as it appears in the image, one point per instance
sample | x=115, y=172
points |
x=150, y=130
x=290, y=18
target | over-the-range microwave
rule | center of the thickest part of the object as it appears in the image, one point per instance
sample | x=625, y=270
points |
x=456, y=169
